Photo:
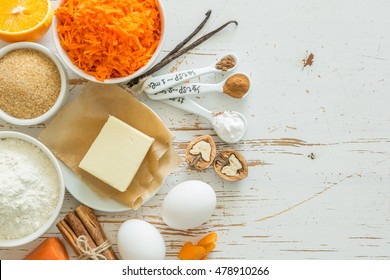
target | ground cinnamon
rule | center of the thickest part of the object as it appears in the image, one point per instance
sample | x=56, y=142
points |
x=226, y=63
x=236, y=86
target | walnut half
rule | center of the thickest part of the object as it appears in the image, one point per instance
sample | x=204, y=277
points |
x=230, y=165
x=200, y=153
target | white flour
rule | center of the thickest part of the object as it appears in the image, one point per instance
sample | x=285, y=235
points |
x=230, y=126
x=29, y=188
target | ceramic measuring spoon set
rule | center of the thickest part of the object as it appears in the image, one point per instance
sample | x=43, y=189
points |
x=174, y=89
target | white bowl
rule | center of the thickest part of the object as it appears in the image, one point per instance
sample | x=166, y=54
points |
x=65, y=58
x=31, y=237
x=63, y=91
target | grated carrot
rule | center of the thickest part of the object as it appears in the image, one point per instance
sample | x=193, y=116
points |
x=109, y=39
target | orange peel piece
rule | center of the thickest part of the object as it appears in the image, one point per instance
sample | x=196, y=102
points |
x=209, y=238
x=199, y=251
x=190, y=251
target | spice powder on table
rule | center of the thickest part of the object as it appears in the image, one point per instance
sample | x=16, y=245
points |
x=29, y=83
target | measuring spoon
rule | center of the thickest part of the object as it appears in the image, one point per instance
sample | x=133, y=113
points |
x=159, y=83
x=230, y=126
x=198, y=88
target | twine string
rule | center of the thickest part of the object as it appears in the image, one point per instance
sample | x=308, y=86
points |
x=88, y=253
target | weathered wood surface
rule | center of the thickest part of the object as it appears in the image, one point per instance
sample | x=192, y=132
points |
x=318, y=144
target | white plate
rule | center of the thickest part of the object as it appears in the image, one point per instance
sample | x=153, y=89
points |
x=84, y=194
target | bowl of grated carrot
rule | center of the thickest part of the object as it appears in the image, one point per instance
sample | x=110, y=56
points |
x=107, y=41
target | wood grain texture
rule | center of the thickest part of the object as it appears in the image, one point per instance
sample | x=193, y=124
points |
x=318, y=144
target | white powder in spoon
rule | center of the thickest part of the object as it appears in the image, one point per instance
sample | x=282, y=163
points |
x=230, y=126
x=29, y=188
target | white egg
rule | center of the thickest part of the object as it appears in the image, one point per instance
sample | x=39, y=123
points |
x=188, y=205
x=139, y=240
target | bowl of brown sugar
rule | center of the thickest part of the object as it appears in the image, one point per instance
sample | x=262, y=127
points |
x=33, y=84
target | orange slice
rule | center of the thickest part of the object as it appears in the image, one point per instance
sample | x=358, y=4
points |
x=24, y=20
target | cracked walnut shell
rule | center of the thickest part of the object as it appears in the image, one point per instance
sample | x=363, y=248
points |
x=230, y=165
x=201, y=151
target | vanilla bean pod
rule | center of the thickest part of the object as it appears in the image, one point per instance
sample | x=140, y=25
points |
x=189, y=37
x=177, y=48
x=202, y=39
x=179, y=53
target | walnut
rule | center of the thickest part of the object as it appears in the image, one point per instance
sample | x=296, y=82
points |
x=230, y=165
x=200, y=153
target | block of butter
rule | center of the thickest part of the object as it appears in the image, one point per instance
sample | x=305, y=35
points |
x=116, y=154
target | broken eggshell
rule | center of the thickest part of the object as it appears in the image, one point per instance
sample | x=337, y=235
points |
x=230, y=165
x=201, y=151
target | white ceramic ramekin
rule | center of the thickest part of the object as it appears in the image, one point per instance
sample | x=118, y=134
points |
x=63, y=91
x=31, y=237
x=64, y=57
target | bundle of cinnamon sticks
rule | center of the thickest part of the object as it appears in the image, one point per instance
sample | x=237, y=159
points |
x=83, y=222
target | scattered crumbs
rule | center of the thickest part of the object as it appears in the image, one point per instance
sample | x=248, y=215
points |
x=308, y=61
x=311, y=156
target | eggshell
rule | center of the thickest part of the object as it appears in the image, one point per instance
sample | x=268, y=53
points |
x=188, y=205
x=139, y=240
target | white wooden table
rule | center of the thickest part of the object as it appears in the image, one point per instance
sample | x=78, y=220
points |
x=318, y=144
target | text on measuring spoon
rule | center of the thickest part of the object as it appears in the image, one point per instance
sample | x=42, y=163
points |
x=181, y=90
x=178, y=77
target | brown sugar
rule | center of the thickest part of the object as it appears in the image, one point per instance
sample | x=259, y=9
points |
x=236, y=86
x=226, y=63
x=29, y=83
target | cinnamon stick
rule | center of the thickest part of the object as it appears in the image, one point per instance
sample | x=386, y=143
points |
x=83, y=222
x=91, y=223
x=69, y=236
x=78, y=228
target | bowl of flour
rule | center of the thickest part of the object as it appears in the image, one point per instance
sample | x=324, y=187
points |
x=31, y=189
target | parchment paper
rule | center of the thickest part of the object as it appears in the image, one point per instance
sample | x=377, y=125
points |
x=74, y=129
